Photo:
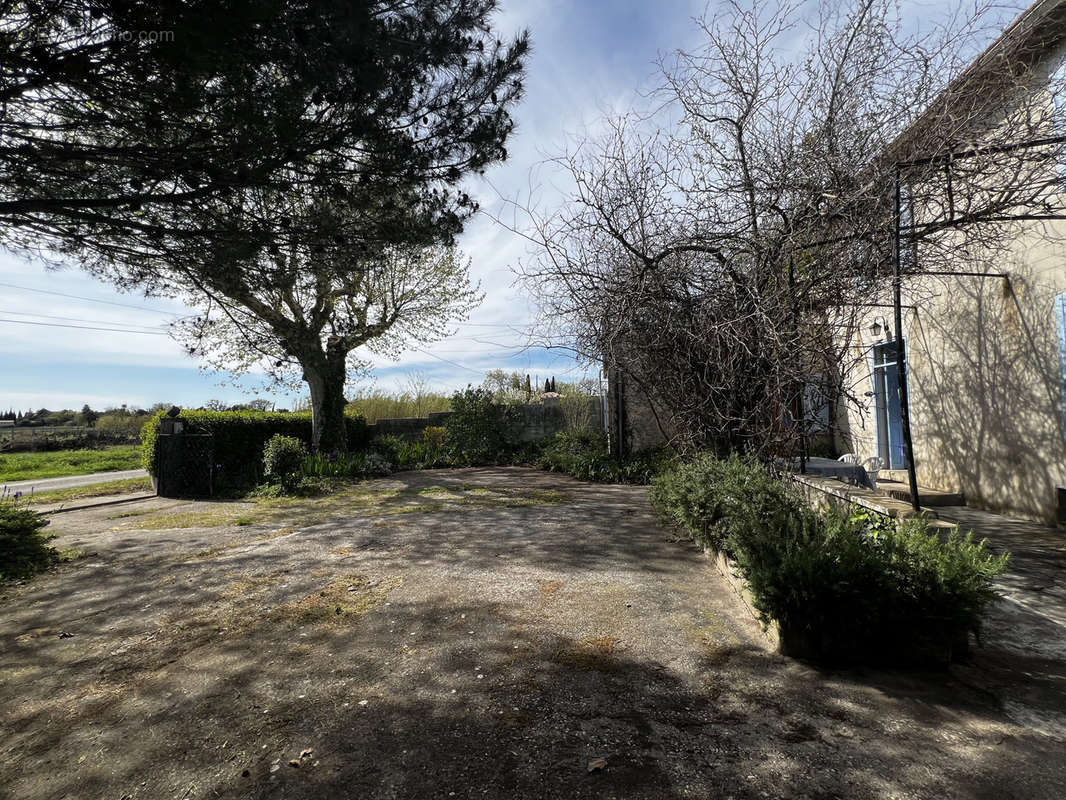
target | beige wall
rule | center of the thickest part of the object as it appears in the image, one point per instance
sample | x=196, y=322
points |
x=984, y=379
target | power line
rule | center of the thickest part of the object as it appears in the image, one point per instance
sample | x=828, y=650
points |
x=446, y=361
x=82, y=327
x=485, y=325
x=89, y=299
x=76, y=319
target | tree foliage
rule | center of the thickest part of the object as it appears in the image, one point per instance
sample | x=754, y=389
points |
x=292, y=168
x=315, y=314
x=129, y=128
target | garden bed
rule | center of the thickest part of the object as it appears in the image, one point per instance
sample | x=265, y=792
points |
x=839, y=585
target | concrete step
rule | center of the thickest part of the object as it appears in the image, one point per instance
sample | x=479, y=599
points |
x=900, y=490
x=867, y=498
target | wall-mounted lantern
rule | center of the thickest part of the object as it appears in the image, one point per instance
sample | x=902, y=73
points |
x=877, y=328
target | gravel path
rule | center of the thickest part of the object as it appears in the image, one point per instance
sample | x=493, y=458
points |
x=498, y=633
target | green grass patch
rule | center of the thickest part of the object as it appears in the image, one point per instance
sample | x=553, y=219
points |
x=209, y=518
x=60, y=463
x=108, y=488
x=358, y=501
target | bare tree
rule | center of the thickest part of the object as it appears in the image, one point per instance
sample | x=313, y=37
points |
x=711, y=252
x=417, y=387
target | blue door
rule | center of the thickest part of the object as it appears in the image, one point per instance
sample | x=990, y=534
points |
x=1060, y=316
x=886, y=405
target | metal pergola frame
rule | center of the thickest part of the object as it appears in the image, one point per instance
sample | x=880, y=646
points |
x=897, y=275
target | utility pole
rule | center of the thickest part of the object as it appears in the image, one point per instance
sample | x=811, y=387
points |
x=901, y=352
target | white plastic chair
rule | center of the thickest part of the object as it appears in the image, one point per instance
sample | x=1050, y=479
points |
x=849, y=458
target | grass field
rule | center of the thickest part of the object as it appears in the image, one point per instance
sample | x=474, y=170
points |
x=106, y=489
x=58, y=463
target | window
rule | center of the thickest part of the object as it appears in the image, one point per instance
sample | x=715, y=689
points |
x=1057, y=88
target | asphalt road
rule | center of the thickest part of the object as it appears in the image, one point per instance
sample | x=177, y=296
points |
x=74, y=481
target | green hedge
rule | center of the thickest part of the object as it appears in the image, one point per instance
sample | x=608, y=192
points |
x=480, y=430
x=240, y=437
x=843, y=586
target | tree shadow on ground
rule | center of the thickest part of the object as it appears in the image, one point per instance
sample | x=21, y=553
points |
x=201, y=670
x=410, y=702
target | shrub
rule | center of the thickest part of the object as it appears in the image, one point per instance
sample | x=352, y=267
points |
x=578, y=412
x=948, y=579
x=283, y=458
x=333, y=465
x=584, y=455
x=426, y=454
x=388, y=446
x=376, y=464
x=709, y=497
x=433, y=438
x=812, y=573
x=842, y=585
x=479, y=431
x=24, y=549
x=894, y=593
x=240, y=437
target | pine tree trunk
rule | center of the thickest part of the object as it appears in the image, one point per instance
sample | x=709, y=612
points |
x=326, y=382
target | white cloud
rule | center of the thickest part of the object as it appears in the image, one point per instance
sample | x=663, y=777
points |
x=74, y=400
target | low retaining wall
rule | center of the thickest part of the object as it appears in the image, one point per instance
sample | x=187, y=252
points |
x=407, y=428
x=827, y=492
x=728, y=570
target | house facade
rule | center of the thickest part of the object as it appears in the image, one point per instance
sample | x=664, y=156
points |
x=985, y=347
x=986, y=376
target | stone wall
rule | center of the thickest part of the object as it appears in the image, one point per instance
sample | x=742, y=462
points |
x=407, y=428
x=539, y=421
x=634, y=424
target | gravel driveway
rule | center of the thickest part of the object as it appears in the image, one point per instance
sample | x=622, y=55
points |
x=499, y=633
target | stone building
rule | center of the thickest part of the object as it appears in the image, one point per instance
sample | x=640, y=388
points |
x=985, y=348
x=986, y=352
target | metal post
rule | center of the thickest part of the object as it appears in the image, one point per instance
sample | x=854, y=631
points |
x=901, y=354
x=801, y=413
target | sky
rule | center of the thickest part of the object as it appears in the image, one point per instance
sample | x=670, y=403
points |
x=589, y=57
